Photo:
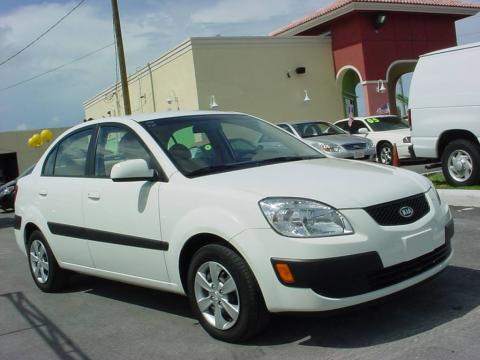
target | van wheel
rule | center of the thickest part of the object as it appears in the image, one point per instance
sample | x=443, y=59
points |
x=461, y=163
x=46, y=273
x=224, y=294
x=384, y=154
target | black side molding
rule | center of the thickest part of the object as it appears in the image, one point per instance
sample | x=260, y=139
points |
x=17, y=222
x=106, y=236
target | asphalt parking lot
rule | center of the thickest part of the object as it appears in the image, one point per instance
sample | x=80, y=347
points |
x=99, y=319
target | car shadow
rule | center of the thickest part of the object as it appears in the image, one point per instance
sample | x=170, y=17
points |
x=6, y=222
x=452, y=294
x=413, y=311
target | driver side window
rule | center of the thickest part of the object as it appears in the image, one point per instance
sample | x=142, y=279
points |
x=357, y=125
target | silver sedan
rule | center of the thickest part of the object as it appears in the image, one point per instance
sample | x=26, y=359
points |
x=331, y=140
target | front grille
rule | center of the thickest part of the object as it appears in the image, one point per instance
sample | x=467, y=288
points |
x=388, y=214
x=356, y=146
x=403, y=271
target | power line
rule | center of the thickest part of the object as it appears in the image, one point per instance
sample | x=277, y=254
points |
x=42, y=34
x=56, y=68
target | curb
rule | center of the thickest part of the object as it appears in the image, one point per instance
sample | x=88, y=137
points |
x=460, y=197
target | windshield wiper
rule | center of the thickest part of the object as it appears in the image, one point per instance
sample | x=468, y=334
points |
x=216, y=168
x=286, y=159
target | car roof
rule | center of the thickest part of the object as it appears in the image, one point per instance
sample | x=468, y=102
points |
x=299, y=122
x=161, y=115
x=368, y=117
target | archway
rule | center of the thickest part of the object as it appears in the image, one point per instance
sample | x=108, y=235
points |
x=396, y=84
x=349, y=81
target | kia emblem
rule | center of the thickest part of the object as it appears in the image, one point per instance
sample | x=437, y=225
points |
x=406, y=212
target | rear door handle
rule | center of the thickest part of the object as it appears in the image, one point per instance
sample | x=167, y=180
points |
x=42, y=193
x=93, y=196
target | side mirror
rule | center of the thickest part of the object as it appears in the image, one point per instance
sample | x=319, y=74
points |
x=363, y=131
x=132, y=170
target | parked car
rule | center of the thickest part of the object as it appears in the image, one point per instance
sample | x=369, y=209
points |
x=241, y=232
x=384, y=131
x=331, y=140
x=8, y=190
x=445, y=111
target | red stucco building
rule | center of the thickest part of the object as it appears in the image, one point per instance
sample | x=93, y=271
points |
x=376, y=41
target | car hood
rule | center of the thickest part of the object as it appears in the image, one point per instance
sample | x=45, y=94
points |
x=340, y=139
x=338, y=183
x=399, y=132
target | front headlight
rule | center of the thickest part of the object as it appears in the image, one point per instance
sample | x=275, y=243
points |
x=297, y=217
x=407, y=139
x=8, y=190
x=327, y=147
x=370, y=144
x=437, y=195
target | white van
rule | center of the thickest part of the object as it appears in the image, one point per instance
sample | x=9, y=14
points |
x=445, y=111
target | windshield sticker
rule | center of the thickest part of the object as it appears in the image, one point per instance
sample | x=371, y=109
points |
x=373, y=120
x=208, y=147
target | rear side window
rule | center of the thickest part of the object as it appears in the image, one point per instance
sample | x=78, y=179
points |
x=49, y=163
x=71, y=159
x=286, y=127
x=342, y=125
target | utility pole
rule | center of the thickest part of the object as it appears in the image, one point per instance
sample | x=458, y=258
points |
x=121, y=58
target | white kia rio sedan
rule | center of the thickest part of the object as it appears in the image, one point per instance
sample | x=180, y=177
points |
x=189, y=203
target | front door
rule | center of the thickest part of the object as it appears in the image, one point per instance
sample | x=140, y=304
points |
x=122, y=218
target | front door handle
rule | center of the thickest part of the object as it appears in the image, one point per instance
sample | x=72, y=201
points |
x=42, y=193
x=93, y=196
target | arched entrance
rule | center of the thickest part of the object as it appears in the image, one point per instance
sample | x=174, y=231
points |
x=349, y=81
x=396, y=85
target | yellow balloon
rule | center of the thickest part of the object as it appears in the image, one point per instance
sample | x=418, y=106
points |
x=30, y=142
x=36, y=140
x=46, y=135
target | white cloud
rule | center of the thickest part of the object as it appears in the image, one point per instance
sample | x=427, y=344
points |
x=21, y=127
x=235, y=11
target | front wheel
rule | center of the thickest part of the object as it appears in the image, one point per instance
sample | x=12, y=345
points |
x=461, y=163
x=224, y=294
x=385, y=152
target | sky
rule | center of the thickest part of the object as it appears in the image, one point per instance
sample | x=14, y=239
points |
x=150, y=28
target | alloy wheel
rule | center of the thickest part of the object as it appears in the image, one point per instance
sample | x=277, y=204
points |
x=386, y=155
x=39, y=261
x=217, y=295
x=460, y=165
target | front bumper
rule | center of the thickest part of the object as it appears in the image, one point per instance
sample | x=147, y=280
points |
x=358, y=274
x=403, y=152
x=361, y=154
x=386, y=259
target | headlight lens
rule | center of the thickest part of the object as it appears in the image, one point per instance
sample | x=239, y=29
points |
x=407, y=139
x=295, y=217
x=327, y=147
x=437, y=195
x=8, y=190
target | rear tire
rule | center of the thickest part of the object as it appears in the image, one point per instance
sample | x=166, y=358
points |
x=461, y=163
x=46, y=273
x=234, y=314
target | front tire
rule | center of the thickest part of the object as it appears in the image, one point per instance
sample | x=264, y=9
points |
x=461, y=163
x=224, y=294
x=46, y=273
x=385, y=153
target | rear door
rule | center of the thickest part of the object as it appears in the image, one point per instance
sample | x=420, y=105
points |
x=122, y=218
x=59, y=197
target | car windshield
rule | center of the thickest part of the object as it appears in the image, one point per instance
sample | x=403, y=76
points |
x=387, y=123
x=206, y=144
x=318, y=128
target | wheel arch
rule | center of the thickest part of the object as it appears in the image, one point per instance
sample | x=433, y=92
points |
x=191, y=246
x=30, y=227
x=381, y=142
x=455, y=134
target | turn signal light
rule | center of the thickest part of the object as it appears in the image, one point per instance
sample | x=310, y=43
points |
x=284, y=273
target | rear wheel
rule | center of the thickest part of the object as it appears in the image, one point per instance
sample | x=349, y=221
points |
x=461, y=163
x=224, y=294
x=46, y=273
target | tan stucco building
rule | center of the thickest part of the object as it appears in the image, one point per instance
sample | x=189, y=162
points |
x=255, y=75
x=16, y=155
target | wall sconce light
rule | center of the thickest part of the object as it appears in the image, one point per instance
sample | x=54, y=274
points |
x=381, y=87
x=306, y=99
x=379, y=20
x=299, y=71
x=213, y=103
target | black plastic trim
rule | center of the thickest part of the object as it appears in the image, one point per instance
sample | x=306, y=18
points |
x=106, y=236
x=17, y=222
